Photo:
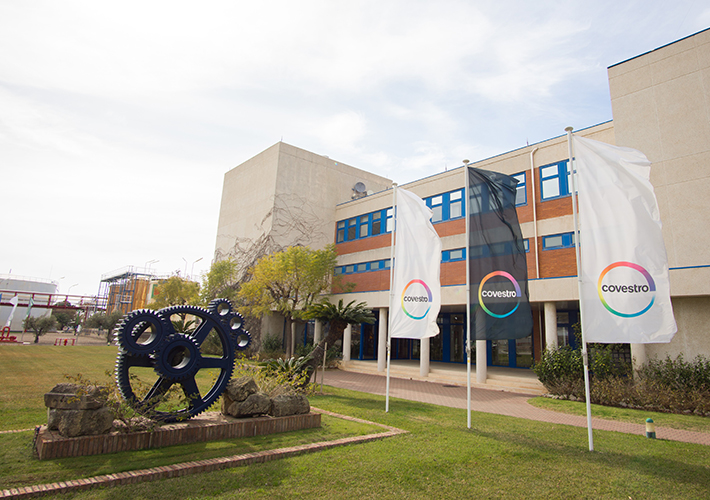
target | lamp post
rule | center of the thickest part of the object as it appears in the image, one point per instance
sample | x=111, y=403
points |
x=193, y=266
x=149, y=264
x=184, y=272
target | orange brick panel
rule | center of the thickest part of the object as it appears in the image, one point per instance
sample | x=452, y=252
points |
x=560, y=262
x=381, y=241
x=453, y=273
x=451, y=227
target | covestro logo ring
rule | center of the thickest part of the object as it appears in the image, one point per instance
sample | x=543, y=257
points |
x=608, y=291
x=499, y=294
x=414, y=301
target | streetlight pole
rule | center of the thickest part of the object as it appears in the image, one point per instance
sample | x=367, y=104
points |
x=193, y=266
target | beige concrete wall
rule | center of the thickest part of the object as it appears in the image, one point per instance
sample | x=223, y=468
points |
x=692, y=315
x=308, y=189
x=661, y=106
x=289, y=194
x=247, y=200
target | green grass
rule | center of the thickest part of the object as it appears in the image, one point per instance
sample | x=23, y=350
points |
x=439, y=458
x=670, y=420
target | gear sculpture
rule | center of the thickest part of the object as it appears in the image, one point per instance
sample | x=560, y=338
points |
x=172, y=346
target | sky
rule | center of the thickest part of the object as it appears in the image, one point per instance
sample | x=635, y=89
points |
x=118, y=120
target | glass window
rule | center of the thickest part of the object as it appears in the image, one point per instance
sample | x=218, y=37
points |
x=390, y=221
x=376, y=223
x=456, y=254
x=555, y=241
x=361, y=268
x=349, y=269
x=352, y=229
x=364, y=226
x=521, y=193
x=554, y=180
x=341, y=232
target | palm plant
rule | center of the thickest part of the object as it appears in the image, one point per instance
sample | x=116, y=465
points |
x=339, y=316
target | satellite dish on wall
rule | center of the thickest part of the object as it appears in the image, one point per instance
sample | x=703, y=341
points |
x=360, y=188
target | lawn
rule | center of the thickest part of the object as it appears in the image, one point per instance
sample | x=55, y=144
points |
x=439, y=457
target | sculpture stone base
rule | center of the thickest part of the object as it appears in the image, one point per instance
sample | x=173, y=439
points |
x=210, y=426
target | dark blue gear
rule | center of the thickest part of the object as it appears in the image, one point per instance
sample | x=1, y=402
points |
x=177, y=360
x=178, y=357
x=132, y=336
x=233, y=321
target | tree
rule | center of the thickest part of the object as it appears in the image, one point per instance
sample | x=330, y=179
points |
x=107, y=321
x=338, y=317
x=222, y=281
x=40, y=325
x=175, y=291
x=64, y=317
x=288, y=282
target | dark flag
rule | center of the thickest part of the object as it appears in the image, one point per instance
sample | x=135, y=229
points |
x=498, y=271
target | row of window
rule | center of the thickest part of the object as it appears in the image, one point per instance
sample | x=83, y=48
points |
x=555, y=182
x=379, y=265
x=551, y=242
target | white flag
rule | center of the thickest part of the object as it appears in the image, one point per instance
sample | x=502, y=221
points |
x=416, y=297
x=625, y=287
x=13, y=301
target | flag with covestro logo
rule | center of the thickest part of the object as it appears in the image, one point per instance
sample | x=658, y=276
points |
x=416, y=285
x=498, y=272
x=625, y=289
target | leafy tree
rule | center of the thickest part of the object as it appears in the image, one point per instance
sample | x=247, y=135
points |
x=40, y=325
x=105, y=321
x=64, y=317
x=288, y=282
x=221, y=281
x=338, y=317
x=175, y=291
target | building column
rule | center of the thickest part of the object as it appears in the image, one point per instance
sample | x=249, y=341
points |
x=481, y=361
x=638, y=356
x=317, y=332
x=292, y=352
x=347, y=341
x=551, y=325
x=382, y=341
x=424, y=345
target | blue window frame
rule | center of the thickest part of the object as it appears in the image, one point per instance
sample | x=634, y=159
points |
x=446, y=206
x=521, y=195
x=557, y=241
x=526, y=245
x=363, y=267
x=453, y=255
x=555, y=180
x=363, y=226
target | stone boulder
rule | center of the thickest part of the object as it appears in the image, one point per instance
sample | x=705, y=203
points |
x=255, y=404
x=73, y=423
x=76, y=410
x=289, y=404
x=237, y=390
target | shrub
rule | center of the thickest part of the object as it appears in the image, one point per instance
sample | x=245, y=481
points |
x=271, y=345
x=272, y=382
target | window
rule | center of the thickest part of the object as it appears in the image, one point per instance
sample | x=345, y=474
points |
x=555, y=180
x=453, y=255
x=446, y=206
x=526, y=245
x=363, y=267
x=521, y=195
x=360, y=227
x=556, y=241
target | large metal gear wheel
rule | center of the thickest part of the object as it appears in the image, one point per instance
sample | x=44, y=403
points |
x=178, y=359
x=232, y=320
x=141, y=332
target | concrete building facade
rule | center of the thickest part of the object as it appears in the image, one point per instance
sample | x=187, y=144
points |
x=661, y=106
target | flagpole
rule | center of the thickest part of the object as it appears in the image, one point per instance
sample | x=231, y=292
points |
x=585, y=357
x=468, y=305
x=389, y=316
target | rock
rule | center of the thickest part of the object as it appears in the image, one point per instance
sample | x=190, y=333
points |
x=75, y=397
x=289, y=404
x=254, y=404
x=72, y=423
x=237, y=390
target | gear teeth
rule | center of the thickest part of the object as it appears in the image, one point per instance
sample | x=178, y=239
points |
x=158, y=352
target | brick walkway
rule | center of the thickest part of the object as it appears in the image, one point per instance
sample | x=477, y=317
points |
x=491, y=401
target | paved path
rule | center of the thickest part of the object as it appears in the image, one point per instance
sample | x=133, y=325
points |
x=491, y=401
